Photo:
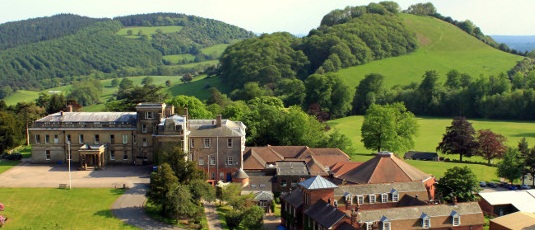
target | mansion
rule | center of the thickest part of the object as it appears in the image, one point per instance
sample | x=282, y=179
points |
x=97, y=139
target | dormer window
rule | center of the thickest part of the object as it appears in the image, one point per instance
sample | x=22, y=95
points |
x=455, y=218
x=426, y=220
x=348, y=198
x=385, y=223
x=395, y=195
x=384, y=198
x=360, y=199
x=371, y=198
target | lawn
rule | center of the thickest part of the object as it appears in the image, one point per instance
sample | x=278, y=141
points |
x=176, y=58
x=215, y=50
x=430, y=134
x=48, y=208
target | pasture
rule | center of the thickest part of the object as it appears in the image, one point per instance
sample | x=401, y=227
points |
x=48, y=208
x=430, y=134
x=147, y=30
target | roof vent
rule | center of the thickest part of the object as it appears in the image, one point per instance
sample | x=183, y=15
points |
x=385, y=154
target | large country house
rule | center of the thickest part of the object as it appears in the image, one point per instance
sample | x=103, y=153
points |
x=97, y=139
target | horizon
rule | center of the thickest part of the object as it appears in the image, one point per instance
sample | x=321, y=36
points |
x=511, y=18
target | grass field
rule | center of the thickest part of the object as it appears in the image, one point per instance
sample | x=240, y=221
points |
x=177, y=58
x=443, y=47
x=148, y=30
x=48, y=208
x=430, y=134
x=216, y=50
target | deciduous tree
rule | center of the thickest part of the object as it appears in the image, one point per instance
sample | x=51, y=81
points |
x=490, y=145
x=459, y=139
x=511, y=165
x=459, y=182
x=389, y=127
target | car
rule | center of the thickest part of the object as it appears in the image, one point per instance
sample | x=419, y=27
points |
x=483, y=184
x=524, y=186
x=492, y=184
x=512, y=187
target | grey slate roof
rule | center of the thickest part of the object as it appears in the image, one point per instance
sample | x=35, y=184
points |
x=259, y=183
x=365, y=189
x=297, y=168
x=207, y=128
x=240, y=174
x=317, y=182
x=415, y=212
x=120, y=117
x=263, y=195
x=324, y=214
x=294, y=198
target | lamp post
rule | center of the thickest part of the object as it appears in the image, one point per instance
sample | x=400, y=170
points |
x=69, y=160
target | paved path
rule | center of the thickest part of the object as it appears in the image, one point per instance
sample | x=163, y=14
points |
x=129, y=208
x=211, y=216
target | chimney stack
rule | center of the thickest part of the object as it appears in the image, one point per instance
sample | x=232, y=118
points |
x=218, y=120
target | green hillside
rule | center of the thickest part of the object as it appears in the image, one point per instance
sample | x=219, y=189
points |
x=443, y=47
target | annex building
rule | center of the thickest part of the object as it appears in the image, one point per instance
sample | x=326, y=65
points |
x=97, y=139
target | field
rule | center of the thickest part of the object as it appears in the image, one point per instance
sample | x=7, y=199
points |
x=177, y=58
x=46, y=208
x=430, y=134
x=443, y=47
x=148, y=30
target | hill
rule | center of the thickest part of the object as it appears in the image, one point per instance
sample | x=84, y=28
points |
x=524, y=43
x=53, y=51
x=443, y=47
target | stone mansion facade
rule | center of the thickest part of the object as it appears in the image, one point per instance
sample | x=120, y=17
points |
x=97, y=139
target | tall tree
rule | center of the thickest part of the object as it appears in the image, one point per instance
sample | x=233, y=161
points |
x=490, y=145
x=459, y=182
x=196, y=108
x=162, y=183
x=511, y=165
x=389, y=127
x=371, y=90
x=529, y=164
x=459, y=139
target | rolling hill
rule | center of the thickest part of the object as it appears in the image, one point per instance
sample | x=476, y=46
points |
x=443, y=47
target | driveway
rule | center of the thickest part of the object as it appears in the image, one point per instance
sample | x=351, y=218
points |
x=27, y=175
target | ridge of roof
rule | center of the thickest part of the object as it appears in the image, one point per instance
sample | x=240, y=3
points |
x=317, y=182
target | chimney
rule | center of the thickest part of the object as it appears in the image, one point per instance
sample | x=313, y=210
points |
x=69, y=108
x=218, y=121
x=186, y=112
x=455, y=200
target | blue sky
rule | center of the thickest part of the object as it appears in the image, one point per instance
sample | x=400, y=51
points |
x=494, y=17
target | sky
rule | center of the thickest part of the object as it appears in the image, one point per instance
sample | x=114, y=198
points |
x=494, y=17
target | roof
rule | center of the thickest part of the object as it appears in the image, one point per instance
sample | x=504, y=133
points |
x=415, y=212
x=118, y=117
x=259, y=183
x=341, y=168
x=318, y=160
x=294, y=198
x=365, y=189
x=523, y=200
x=240, y=174
x=150, y=105
x=415, y=155
x=324, y=214
x=317, y=182
x=511, y=221
x=385, y=167
x=291, y=169
x=208, y=128
x=263, y=195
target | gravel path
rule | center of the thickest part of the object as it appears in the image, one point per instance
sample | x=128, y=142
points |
x=129, y=208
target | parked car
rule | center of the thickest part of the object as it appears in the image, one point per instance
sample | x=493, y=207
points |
x=524, y=186
x=492, y=184
x=483, y=184
x=512, y=187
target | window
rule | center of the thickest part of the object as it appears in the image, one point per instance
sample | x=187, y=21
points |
x=229, y=143
x=144, y=142
x=283, y=183
x=369, y=225
x=81, y=138
x=112, y=139
x=149, y=115
x=386, y=225
x=68, y=138
x=213, y=175
x=371, y=198
x=426, y=223
x=212, y=160
x=201, y=160
x=97, y=138
x=348, y=199
x=143, y=128
x=125, y=139
x=384, y=198
x=47, y=155
x=360, y=199
x=192, y=143
x=125, y=157
x=207, y=142
x=37, y=138
x=294, y=184
x=112, y=155
x=395, y=197
x=47, y=139
x=56, y=139
x=456, y=220
x=230, y=160
x=221, y=175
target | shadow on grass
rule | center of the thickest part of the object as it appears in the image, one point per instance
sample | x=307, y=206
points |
x=104, y=213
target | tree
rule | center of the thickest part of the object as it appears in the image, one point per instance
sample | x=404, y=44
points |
x=459, y=139
x=371, y=90
x=511, y=165
x=147, y=81
x=389, y=127
x=253, y=218
x=86, y=92
x=180, y=203
x=168, y=83
x=196, y=108
x=162, y=182
x=186, y=78
x=185, y=170
x=126, y=83
x=114, y=82
x=490, y=145
x=10, y=131
x=459, y=182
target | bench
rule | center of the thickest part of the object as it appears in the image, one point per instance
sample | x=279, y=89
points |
x=63, y=186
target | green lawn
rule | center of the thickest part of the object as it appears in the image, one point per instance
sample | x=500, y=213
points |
x=49, y=208
x=176, y=58
x=216, y=50
x=430, y=134
x=21, y=96
x=199, y=87
x=443, y=47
